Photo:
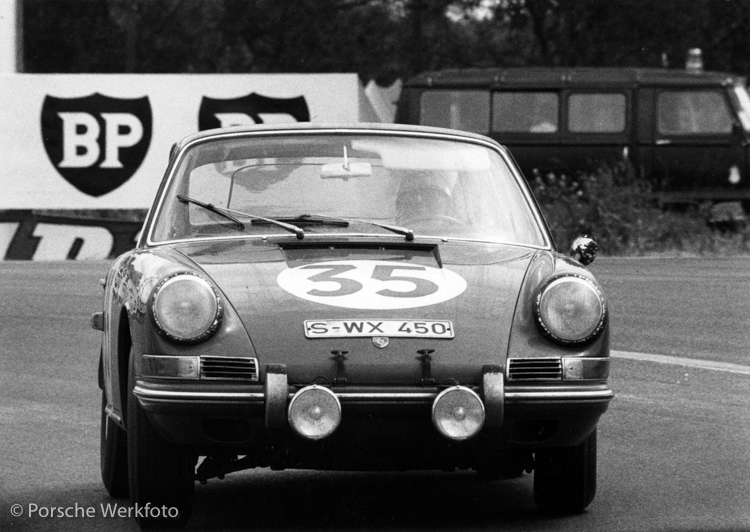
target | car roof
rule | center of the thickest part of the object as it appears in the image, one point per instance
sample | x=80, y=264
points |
x=563, y=76
x=314, y=127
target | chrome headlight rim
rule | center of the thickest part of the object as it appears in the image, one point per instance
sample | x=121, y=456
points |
x=546, y=331
x=208, y=331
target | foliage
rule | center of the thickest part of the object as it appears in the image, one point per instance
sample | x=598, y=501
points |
x=379, y=39
x=616, y=208
x=389, y=39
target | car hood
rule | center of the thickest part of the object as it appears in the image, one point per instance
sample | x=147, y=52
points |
x=281, y=290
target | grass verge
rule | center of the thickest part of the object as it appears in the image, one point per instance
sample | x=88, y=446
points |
x=617, y=209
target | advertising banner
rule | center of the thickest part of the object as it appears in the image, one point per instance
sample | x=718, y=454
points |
x=102, y=141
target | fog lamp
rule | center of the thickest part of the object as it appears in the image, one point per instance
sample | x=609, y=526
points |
x=458, y=413
x=314, y=412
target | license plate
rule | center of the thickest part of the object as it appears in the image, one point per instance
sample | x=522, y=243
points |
x=370, y=328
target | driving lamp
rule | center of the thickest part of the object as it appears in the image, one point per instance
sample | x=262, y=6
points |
x=570, y=309
x=458, y=413
x=186, y=308
x=314, y=412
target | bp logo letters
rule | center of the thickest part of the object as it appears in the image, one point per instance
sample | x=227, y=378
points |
x=251, y=109
x=96, y=142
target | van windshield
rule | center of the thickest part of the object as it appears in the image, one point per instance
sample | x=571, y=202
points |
x=744, y=112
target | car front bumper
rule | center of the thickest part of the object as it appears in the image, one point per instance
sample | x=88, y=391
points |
x=530, y=415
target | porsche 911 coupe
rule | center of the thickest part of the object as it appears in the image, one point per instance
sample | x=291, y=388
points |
x=359, y=297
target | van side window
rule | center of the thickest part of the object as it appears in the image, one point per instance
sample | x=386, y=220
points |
x=525, y=112
x=596, y=113
x=693, y=113
x=466, y=110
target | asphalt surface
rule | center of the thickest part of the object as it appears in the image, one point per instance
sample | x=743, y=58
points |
x=688, y=307
x=674, y=447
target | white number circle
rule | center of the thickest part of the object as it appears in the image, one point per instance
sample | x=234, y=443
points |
x=371, y=284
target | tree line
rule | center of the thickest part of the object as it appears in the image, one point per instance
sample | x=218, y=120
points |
x=381, y=40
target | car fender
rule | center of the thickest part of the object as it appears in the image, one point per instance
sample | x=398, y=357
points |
x=526, y=341
x=128, y=323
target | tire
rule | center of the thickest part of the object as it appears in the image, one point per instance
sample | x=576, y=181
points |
x=113, y=456
x=161, y=473
x=565, y=477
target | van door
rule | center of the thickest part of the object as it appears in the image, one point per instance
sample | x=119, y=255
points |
x=597, y=127
x=698, y=153
x=528, y=122
x=464, y=109
x=566, y=131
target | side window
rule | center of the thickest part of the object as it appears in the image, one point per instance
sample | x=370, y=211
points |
x=693, y=112
x=466, y=110
x=596, y=113
x=525, y=112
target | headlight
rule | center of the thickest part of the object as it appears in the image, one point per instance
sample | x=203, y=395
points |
x=186, y=308
x=570, y=309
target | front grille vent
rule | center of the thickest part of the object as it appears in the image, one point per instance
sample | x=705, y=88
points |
x=229, y=368
x=534, y=369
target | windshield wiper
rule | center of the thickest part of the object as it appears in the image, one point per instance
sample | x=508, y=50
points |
x=408, y=233
x=212, y=208
x=231, y=214
x=304, y=219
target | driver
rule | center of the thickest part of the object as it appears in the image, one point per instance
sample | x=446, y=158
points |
x=425, y=196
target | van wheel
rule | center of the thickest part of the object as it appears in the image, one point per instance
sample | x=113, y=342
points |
x=162, y=474
x=565, y=477
x=113, y=455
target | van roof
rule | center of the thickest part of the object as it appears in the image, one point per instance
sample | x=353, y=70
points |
x=568, y=77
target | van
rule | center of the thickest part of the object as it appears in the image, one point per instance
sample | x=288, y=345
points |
x=687, y=131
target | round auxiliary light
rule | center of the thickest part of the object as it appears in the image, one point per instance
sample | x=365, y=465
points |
x=458, y=413
x=314, y=412
x=186, y=308
x=570, y=309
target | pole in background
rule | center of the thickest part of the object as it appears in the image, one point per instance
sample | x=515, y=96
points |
x=11, y=49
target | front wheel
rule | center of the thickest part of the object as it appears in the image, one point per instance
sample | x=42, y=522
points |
x=162, y=474
x=565, y=477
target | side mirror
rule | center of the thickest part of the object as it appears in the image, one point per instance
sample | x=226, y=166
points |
x=584, y=250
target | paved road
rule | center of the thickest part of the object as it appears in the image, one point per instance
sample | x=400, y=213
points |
x=696, y=308
x=673, y=448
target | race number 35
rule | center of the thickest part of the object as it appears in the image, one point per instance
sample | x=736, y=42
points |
x=370, y=284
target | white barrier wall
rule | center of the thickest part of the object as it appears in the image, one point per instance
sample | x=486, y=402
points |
x=83, y=155
x=102, y=141
x=10, y=37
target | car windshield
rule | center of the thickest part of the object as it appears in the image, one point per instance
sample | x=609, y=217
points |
x=336, y=184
